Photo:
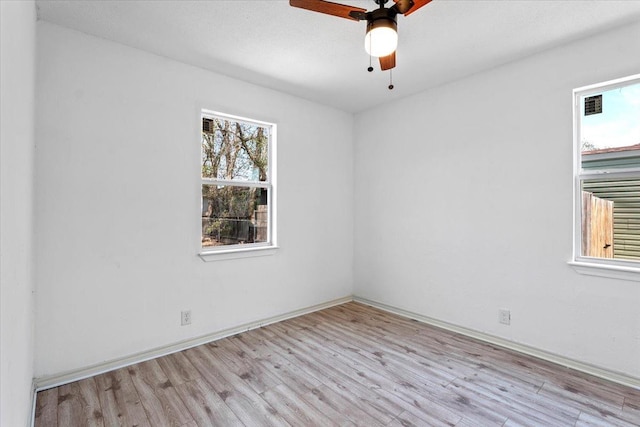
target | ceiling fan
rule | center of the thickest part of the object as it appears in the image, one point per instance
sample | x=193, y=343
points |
x=381, y=38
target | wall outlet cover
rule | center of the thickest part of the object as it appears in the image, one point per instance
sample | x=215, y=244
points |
x=185, y=318
x=504, y=317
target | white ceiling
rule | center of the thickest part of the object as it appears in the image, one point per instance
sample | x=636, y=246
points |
x=322, y=57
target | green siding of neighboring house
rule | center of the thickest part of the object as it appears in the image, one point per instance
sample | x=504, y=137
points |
x=611, y=163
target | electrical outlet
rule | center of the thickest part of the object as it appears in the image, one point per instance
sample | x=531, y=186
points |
x=185, y=317
x=504, y=316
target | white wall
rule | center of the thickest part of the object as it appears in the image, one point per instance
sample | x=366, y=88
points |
x=118, y=199
x=478, y=219
x=464, y=206
x=17, y=80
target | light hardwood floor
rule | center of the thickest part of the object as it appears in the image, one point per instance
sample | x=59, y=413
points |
x=347, y=365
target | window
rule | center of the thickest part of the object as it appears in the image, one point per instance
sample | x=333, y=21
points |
x=237, y=168
x=607, y=175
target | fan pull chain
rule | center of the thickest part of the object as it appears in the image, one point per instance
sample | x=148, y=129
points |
x=391, y=79
x=370, y=69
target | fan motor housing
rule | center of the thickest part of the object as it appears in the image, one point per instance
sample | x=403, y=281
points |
x=382, y=18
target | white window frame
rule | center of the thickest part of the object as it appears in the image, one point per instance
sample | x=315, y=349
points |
x=245, y=250
x=603, y=267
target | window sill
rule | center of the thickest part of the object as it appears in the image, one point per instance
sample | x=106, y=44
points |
x=223, y=254
x=606, y=270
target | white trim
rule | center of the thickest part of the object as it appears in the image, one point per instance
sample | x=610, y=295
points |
x=609, y=174
x=237, y=253
x=617, y=377
x=238, y=183
x=605, y=86
x=50, y=381
x=210, y=114
x=272, y=230
x=609, y=270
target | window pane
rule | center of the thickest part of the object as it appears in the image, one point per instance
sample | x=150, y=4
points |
x=234, y=215
x=610, y=122
x=611, y=218
x=234, y=150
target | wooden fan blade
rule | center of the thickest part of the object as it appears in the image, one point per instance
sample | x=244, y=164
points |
x=388, y=62
x=403, y=6
x=417, y=4
x=330, y=8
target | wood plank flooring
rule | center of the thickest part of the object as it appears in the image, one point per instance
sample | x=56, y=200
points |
x=350, y=365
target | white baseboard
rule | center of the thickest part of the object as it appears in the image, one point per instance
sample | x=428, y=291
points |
x=606, y=374
x=51, y=381
x=44, y=383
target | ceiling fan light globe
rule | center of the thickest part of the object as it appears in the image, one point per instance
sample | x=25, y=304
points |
x=381, y=41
